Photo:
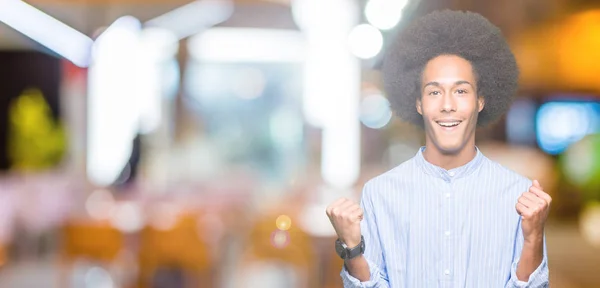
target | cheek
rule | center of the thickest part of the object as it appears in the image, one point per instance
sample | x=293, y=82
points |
x=428, y=108
x=468, y=106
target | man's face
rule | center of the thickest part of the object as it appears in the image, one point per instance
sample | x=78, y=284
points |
x=449, y=103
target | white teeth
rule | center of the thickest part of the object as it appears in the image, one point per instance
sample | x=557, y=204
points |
x=449, y=124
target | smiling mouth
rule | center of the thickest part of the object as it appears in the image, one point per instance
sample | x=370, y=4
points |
x=448, y=124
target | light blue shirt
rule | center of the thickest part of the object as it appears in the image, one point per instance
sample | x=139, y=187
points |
x=425, y=226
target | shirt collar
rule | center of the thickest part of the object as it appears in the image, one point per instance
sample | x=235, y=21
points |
x=448, y=175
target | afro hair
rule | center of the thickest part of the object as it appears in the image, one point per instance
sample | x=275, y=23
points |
x=464, y=34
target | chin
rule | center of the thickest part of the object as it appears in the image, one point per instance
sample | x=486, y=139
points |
x=449, y=148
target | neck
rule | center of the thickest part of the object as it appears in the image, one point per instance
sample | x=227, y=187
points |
x=452, y=160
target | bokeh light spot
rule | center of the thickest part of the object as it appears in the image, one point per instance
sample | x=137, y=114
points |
x=283, y=222
x=590, y=223
x=280, y=239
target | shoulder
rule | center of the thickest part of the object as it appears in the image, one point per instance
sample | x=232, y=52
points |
x=391, y=181
x=502, y=174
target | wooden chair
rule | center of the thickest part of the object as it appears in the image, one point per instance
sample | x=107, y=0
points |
x=180, y=247
x=333, y=266
x=99, y=242
x=298, y=252
x=3, y=256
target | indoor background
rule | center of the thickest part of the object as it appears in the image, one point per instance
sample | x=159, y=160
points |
x=170, y=143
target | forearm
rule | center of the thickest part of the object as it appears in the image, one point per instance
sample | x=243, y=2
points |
x=531, y=257
x=358, y=268
x=362, y=273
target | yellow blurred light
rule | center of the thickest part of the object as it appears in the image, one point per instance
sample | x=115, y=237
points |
x=283, y=222
x=560, y=55
x=578, y=47
x=590, y=223
x=578, y=163
x=36, y=140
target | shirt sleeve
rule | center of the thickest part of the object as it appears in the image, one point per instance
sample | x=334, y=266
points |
x=539, y=277
x=373, y=252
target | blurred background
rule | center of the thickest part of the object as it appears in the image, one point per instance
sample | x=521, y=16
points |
x=196, y=144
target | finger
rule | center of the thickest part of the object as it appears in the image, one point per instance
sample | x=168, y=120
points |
x=343, y=212
x=527, y=202
x=334, y=207
x=541, y=194
x=521, y=209
x=354, y=208
x=536, y=184
x=357, y=214
x=347, y=207
x=530, y=196
x=537, y=201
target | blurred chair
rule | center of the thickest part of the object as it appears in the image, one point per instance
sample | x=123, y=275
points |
x=332, y=269
x=287, y=258
x=3, y=257
x=98, y=242
x=176, y=248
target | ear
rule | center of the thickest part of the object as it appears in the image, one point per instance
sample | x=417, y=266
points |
x=481, y=102
x=419, y=106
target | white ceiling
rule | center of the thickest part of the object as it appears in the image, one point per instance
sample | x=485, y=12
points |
x=88, y=18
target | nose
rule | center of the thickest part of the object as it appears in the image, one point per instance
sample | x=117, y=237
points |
x=448, y=103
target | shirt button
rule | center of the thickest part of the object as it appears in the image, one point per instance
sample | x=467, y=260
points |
x=447, y=195
x=447, y=233
x=451, y=173
x=447, y=272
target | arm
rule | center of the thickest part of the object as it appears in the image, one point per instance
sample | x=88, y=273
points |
x=532, y=256
x=367, y=270
x=530, y=269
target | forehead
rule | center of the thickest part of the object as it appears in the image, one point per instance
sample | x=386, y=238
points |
x=448, y=69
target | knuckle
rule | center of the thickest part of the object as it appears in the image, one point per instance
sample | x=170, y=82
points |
x=334, y=211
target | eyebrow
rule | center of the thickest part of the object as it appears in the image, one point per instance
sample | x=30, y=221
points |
x=437, y=84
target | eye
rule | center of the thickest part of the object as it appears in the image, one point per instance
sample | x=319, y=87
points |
x=434, y=93
x=461, y=91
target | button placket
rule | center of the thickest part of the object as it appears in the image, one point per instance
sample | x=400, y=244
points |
x=447, y=253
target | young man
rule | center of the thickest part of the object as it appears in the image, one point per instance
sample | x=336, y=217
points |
x=448, y=217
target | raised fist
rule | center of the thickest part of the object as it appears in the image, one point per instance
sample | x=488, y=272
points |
x=534, y=206
x=345, y=216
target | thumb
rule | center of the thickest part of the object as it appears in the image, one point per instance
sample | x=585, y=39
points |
x=536, y=184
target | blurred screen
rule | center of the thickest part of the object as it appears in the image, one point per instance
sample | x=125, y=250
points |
x=520, y=122
x=561, y=123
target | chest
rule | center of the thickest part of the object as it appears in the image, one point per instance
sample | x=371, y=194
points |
x=452, y=220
